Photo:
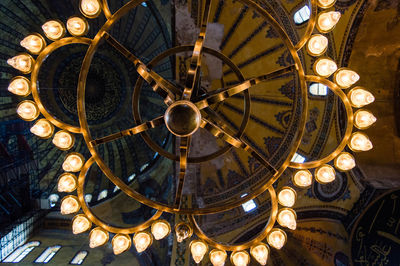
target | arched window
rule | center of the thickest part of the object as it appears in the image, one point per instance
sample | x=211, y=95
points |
x=102, y=195
x=21, y=252
x=88, y=198
x=79, y=257
x=48, y=254
x=297, y=158
x=53, y=198
x=318, y=89
x=144, y=167
x=302, y=15
x=131, y=177
x=249, y=205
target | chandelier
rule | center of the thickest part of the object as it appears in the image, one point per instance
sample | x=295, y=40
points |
x=189, y=107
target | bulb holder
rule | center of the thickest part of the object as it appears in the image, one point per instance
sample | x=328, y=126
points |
x=62, y=177
x=115, y=239
x=81, y=216
x=59, y=35
x=15, y=91
x=32, y=104
x=72, y=31
x=281, y=199
x=276, y=231
x=42, y=42
x=296, y=178
x=92, y=14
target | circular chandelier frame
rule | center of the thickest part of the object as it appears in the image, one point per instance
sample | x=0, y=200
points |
x=185, y=97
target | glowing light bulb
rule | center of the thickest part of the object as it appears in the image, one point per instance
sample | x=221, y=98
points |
x=160, y=229
x=345, y=161
x=73, y=162
x=324, y=67
x=277, y=238
x=326, y=3
x=240, y=258
x=69, y=204
x=198, y=249
x=22, y=62
x=345, y=78
x=302, y=178
x=260, y=253
x=287, y=218
x=360, y=142
x=20, y=86
x=142, y=241
x=77, y=26
x=287, y=196
x=325, y=174
x=183, y=231
x=34, y=43
x=326, y=21
x=218, y=257
x=363, y=119
x=90, y=8
x=67, y=182
x=360, y=97
x=53, y=30
x=80, y=224
x=27, y=110
x=43, y=128
x=317, y=45
x=98, y=237
x=63, y=140
x=121, y=243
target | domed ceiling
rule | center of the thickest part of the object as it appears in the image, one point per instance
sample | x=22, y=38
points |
x=271, y=113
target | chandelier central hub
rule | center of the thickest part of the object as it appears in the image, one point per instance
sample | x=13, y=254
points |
x=182, y=118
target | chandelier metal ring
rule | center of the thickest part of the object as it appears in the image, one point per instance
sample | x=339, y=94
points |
x=138, y=120
x=262, y=235
x=176, y=209
x=35, y=73
x=349, y=125
x=94, y=218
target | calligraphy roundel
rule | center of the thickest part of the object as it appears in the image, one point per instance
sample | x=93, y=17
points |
x=375, y=239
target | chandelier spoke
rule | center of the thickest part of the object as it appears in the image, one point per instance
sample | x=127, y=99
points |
x=224, y=93
x=219, y=132
x=195, y=62
x=129, y=132
x=160, y=85
x=184, y=152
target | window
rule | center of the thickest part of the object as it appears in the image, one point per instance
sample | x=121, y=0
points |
x=302, y=15
x=144, y=4
x=21, y=252
x=48, y=254
x=249, y=205
x=116, y=189
x=79, y=258
x=53, y=198
x=88, y=198
x=297, y=158
x=102, y=195
x=143, y=167
x=130, y=178
x=318, y=89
